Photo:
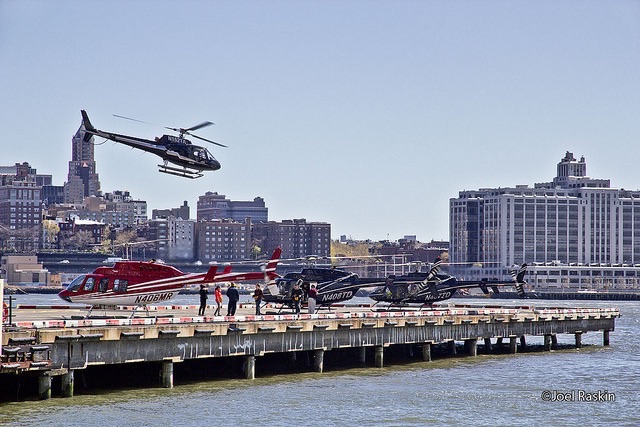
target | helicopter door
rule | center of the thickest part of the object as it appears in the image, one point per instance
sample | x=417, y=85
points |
x=104, y=283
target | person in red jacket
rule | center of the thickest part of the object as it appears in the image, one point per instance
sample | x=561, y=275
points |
x=217, y=294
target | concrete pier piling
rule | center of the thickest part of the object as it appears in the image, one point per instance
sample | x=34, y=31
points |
x=68, y=383
x=249, y=367
x=578, y=336
x=513, y=344
x=379, y=356
x=471, y=346
x=362, y=355
x=426, y=352
x=452, y=347
x=523, y=342
x=44, y=386
x=318, y=360
x=166, y=375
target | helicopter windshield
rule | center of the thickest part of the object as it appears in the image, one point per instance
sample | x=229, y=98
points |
x=75, y=283
x=202, y=153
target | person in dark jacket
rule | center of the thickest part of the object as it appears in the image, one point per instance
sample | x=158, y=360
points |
x=257, y=296
x=296, y=297
x=233, y=295
x=203, y=300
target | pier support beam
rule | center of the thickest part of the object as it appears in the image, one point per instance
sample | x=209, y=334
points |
x=362, y=355
x=578, y=336
x=379, y=356
x=452, y=347
x=67, y=384
x=44, y=387
x=523, y=342
x=471, y=346
x=605, y=337
x=166, y=375
x=554, y=342
x=547, y=342
x=426, y=352
x=318, y=360
x=249, y=367
x=513, y=344
x=499, y=342
x=487, y=345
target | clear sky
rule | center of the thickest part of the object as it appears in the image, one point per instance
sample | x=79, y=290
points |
x=369, y=115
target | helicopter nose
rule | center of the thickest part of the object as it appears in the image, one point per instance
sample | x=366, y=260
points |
x=63, y=295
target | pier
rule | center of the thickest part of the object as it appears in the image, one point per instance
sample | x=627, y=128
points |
x=43, y=350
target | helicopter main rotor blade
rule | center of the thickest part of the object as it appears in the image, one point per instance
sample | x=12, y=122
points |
x=200, y=126
x=196, y=127
x=133, y=120
x=204, y=139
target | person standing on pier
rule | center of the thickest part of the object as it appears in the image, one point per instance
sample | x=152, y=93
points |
x=257, y=296
x=203, y=300
x=234, y=296
x=217, y=293
x=311, y=299
x=296, y=296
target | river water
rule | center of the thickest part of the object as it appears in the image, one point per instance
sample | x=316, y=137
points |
x=591, y=386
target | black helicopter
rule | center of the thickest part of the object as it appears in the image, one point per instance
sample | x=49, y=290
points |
x=173, y=149
x=433, y=286
x=333, y=286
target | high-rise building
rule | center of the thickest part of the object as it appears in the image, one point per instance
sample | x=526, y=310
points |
x=213, y=206
x=21, y=206
x=224, y=240
x=297, y=237
x=82, y=180
x=573, y=219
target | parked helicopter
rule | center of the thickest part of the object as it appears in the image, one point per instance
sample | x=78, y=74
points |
x=430, y=287
x=333, y=285
x=194, y=159
x=139, y=283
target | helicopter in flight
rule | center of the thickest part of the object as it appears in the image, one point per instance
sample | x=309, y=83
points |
x=191, y=159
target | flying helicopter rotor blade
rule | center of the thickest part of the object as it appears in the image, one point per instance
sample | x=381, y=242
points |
x=200, y=126
x=133, y=120
x=187, y=130
x=204, y=139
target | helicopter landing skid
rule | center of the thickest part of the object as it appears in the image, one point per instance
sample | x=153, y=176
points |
x=185, y=173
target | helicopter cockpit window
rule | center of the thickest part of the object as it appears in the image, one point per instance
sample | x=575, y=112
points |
x=102, y=286
x=120, y=285
x=89, y=284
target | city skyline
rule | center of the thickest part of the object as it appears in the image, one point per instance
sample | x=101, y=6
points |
x=367, y=115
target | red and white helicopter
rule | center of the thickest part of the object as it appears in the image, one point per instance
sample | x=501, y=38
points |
x=139, y=283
